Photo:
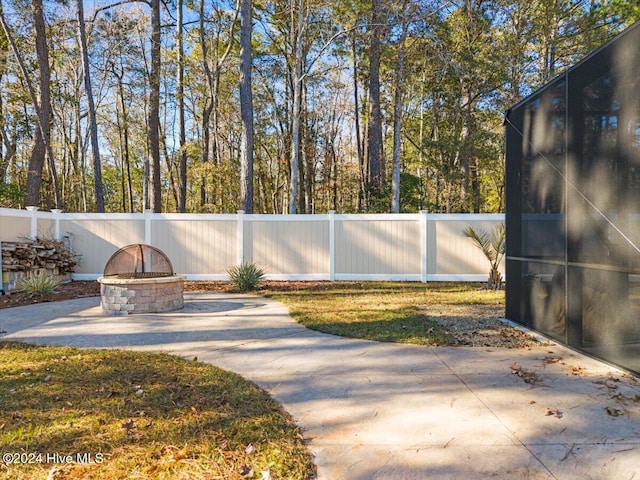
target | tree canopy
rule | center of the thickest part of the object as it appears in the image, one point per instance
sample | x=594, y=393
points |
x=357, y=106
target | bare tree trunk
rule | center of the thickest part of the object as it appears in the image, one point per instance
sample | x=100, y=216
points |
x=551, y=40
x=36, y=161
x=297, y=102
x=356, y=105
x=246, y=109
x=153, y=139
x=7, y=154
x=42, y=145
x=423, y=171
x=464, y=153
x=397, y=114
x=10, y=145
x=123, y=183
x=123, y=129
x=375, y=120
x=170, y=168
x=308, y=157
x=208, y=104
x=182, y=191
x=93, y=127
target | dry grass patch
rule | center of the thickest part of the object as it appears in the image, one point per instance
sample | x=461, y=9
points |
x=120, y=414
x=402, y=312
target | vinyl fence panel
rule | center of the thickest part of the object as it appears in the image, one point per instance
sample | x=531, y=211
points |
x=288, y=249
x=378, y=246
x=454, y=255
x=196, y=244
x=14, y=224
x=95, y=238
x=416, y=247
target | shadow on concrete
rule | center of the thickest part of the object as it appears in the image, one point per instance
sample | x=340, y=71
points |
x=381, y=410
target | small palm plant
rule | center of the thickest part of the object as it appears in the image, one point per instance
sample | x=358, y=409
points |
x=246, y=276
x=493, y=247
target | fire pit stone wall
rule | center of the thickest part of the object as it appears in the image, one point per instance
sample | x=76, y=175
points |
x=124, y=296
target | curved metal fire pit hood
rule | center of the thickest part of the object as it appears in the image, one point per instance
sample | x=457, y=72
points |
x=138, y=261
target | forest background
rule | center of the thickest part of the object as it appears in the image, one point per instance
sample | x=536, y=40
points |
x=272, y=106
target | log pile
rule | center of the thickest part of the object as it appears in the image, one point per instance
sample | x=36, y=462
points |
x=42, y=253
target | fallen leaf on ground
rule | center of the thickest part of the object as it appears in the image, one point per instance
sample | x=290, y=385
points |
x=614, y=412
x=53, y=473
x=552, y=412
x=246, y=471
x=526, y=375
x=549, y=359
x=129, y=424
x=179, y=455
x=610, y=384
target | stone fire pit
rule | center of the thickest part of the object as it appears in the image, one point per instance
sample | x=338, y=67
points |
x=140, y=279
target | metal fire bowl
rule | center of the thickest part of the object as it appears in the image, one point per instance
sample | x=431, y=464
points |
x=140, y=275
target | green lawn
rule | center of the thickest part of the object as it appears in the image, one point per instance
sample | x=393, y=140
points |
x=118, y=414
x=383, y=311
x=121, y=414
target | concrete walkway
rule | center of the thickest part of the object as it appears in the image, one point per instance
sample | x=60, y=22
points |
x=385, y=411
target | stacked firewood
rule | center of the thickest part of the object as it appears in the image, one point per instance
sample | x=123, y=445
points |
x=28, y=255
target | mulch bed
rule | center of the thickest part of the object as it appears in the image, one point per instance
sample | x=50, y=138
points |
x=66, y=291
x=90, y=288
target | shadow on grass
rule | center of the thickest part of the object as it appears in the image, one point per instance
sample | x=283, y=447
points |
x=348, y=288
x=143, y=412
x=408, y=328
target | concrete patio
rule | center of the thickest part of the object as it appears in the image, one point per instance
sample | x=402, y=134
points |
x=387, y=411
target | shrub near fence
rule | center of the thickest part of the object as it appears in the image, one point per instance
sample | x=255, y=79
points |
x=415, y=247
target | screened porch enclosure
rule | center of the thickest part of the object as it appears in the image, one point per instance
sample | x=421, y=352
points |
x=573, y=205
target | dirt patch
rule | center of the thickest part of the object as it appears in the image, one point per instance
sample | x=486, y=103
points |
x=82, y=288
x=478, y=326
x=268, y=285
x=66, y=291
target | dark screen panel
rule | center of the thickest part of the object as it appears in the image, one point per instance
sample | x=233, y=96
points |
x=573, y=206
x=603, y=219
x=543, y=167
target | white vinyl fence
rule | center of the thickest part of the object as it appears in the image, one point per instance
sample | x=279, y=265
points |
x=414, y=247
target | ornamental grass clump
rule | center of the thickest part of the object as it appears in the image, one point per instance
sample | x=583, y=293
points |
x=37, y=286
x=246, y=276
